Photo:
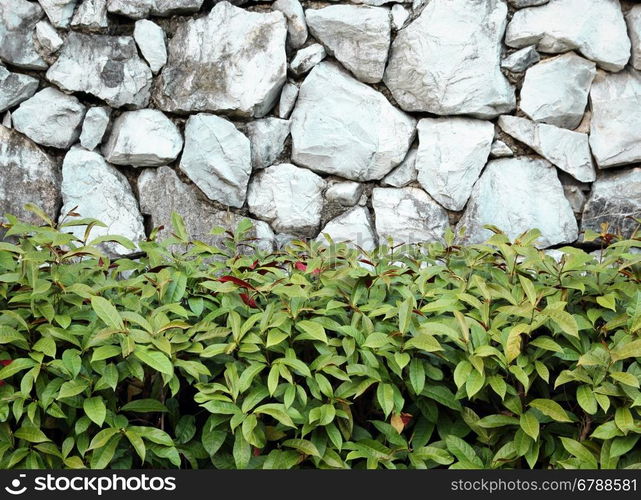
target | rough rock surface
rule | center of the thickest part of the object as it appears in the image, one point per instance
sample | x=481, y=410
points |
x=91, y=15
x=341, y=126
x=519, y=61
x=94, y=127
x=357, y=36
x=59, y=12
x=346, y=193
x=564, y=148
x=143, y=138
x=27, y=175
x=451, y=155
x=519, y=4
x=555, y=91
x=287, y=100
x=138, y=9
x=217, y=158
x=161, y=193
x=307, y=58
x=267, y=138
x=509, y=195
x=50, y=118
x=15, y=88
x=296, y=24
x=633, y=20
x=100, y=191
x=290, y=198
x=214, y=60
x=18, y=19
x=405, y=173
x=107, y=67
x=500, y=150
x=615, y=128
x=49, y=41
x=353, y=227
x=152, y=43
x=615, y=199
x=595, y=28
x=408, y=215
x=443, y=70
x=400, y=14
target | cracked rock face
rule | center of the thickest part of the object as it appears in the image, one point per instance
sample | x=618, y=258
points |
x=138, y=9
x=405, y=173
x=290, y=198
x=341, y=126
x=27, y=175
x=595, y=28
x=357, y=36
x=18, y=19
x=217, y=158
x=151, y=40
x=451, y=154
x=345, y=193
x=408, y=215
x=508, y=195
x=100, y=191
x=353, y=227
x=91, y=15
x=443, y=70
x=15, y=88
x=59, y=12
x=519, y=61
x=107, y=67
x=296, y=24
x=615, y=199
x=94, y=127
x=307, y=58
x=214, y=60
x=267, y=138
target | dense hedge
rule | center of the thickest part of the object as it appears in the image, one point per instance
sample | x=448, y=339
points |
x=488, y=356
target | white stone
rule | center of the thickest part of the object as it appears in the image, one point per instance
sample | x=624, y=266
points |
x=18, y=19
x=615, y=128
x=576, y=197
x=296, y=24
x=50, y=118
x=15, y=88
x=217, y=158
x=522, y=59
x=94, y=127
x=143, y=138
x=151, y=40
x=288, y=197
x=214, y=62
x=59, y=12
x=400, y=14
x=287, y=100
x=633, y=20
x=516, y=195
x=357, y=36
x=95, y=189
x=353, y=227
x=447, y=61
x=307, y=58
x=405, y=173
x=555, y=91
x=451, y=154
x=519, y=4
x=564, y=148
x=595, y=28
x=91, y=15
x=267, y=138
x=107, y=67
x=346, y=193
x=48, y=38
x=6, y=120
x=139, y=9
x=408, y=215
x=500, y=150
x=343, y=127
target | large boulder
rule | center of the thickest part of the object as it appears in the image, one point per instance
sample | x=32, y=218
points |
x=451, y=154
x=214, y=62
x=217, y=158
x=516, y=195
x=595, y=28
x=91, y=15
x=447, y=61
x=18, y=19
x=107, y=67
x=353, y=227
x=59, y=12
x=341, y=126
x=139, y=9
x=15, y=88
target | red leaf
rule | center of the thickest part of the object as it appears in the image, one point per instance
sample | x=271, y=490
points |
x=406, y=418
x=6, y=362
x=301, y=266
x=237, y=281
x=256, y=451
x=248, y=300
x=316, y=271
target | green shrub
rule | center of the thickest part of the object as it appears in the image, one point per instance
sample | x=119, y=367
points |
x=186, y=355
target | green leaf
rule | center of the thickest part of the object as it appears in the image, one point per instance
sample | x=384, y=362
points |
x=551, y=408
x=475, y=382
x=530, y=424
x=417, y=375
x=424, y=341
x=405, y=315
x=105, y=352
x=138, y=444
x=494, y=421
x=72, y=388
x=304, y=446
x=608, y=301
x=513, y=344
x=31, y=433
x=145, y=406
x=277, y=411
x=107, y=312
x=565, y=321
x=313, y=330
x=463, y=452
x=385, y=397
x=102, y=438
x=156, y=360
x=95, y=409
x=102, y=457
x=624, y=419
x=585, y=398
x=434, y=454
x=242, y=451
x=625, y=378
x=576, y=449
x=16, y=366
x=625, y=351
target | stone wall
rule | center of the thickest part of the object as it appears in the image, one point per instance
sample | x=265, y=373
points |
x=361, y=120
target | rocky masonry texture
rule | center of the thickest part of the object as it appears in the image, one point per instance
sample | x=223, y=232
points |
x=361, y=121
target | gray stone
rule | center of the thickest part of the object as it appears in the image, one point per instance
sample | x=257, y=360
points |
x=595, y=28
x=15, y=88
x=633, y=20
x=143, y=138
x=94, y=127
x=28, y=175
x=107, y=67
x=555, y=91
x=408, y=215
x=516, y=195
x=357, y=36
x=95, y=189
x=217, y=158
x=307, y=58
x=214, y=60
x=6, y=120
x=522, y=59
x=354, y=227
x=59, y=12
x=139, y=9
x=49, y=40
x=576, y=197
x=615, y=128
x=615, y=199
x=346, y=193
x=50, y=118
x=343, y=127
x=451, y=154
x=91, y=15
x=519, y=4
x=18, y=19
x=288, y=197
x=287, y=100
x=500, y=150
x=296, y=24
x=400, y=14
x=161, y=193
x=443, y=70
x=267, y=138
x=405, y=173
x=151, y=40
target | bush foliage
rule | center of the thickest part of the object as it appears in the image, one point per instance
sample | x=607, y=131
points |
x=187, y=355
